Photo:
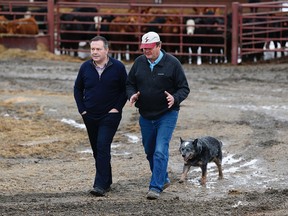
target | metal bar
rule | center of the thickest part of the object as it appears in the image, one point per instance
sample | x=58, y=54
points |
x=235, y=32
x=50, y=18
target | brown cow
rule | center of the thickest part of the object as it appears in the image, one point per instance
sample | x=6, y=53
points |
x=23, y=26
x=126, y=26
x=3, y=24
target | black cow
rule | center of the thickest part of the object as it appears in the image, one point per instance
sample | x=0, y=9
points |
x=193, y=38
x=75, y=28
x=214, y=39
x=253, y=9
x=154, y=25
x=280, y=36
x=85, y=16
x=69, y=39
x=14, y=13
x=101, y=24
x=206, y=31
x=250, y=39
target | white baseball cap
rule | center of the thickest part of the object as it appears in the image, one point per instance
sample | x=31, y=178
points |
x=149, y=40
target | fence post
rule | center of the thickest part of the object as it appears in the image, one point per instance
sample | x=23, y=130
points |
x=50, y=17
x=235, y=32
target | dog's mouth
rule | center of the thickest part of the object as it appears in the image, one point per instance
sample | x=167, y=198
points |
x=186, y=158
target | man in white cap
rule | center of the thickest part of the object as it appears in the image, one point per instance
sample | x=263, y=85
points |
x=157, y=85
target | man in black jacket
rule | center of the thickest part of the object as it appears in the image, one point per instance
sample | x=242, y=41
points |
x=157, y=83
x=100, y=95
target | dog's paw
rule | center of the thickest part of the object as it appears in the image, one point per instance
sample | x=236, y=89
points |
x=203, y=181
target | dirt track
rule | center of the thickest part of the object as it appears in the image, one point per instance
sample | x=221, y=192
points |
x=47, y=167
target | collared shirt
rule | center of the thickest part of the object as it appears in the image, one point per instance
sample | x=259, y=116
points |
x=152, y=64
x=100, y=69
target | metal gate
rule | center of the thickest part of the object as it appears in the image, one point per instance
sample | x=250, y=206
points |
x=42, y=11
x=217, y=34
x=124, y=24
x=255, y=27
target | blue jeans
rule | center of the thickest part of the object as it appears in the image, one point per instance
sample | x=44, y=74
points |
x=156, y=135
x=101, y=133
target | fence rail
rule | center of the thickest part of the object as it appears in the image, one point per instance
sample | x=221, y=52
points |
x=219, y=35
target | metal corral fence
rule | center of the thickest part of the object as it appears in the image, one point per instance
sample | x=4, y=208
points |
x=191, y=32
x=42, y=11
x=259, y=29
x=124, y=24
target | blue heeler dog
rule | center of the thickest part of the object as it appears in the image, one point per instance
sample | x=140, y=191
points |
x=200, y=152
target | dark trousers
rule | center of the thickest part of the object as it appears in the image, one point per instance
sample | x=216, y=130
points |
x=101, y=133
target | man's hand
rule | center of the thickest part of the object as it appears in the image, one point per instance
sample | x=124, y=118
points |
x=134, y=98
x=170, y=99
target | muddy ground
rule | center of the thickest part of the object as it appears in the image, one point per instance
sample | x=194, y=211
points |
x=47, y=167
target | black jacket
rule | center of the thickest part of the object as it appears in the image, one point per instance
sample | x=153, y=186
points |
x=98, y=95
x=168, y=75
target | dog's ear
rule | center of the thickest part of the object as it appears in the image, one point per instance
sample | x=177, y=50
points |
x=181, y=140
x=195, y=142
x=197, y=146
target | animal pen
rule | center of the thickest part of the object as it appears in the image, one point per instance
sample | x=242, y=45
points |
x=218, y=33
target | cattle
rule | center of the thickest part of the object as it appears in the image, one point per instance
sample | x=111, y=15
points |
x=69, y=37
x=205, y=33
x=193, y=37
x=190, y=26
x=40, y=15
x=23, y=26
x=150, y=19
x=87, y=17
x=154, y=24
x=103, y=25
x=279, y=36
x=119, y=30
x=14, y=12
x=168, y=27
x=119, y=42
x=170, y=34
x=284, y=35
x=3, y=24
x=217, y=41
x=213, y=28
x=252, y=39
x=76, y=27
x=200, y=39
x=253, y=9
